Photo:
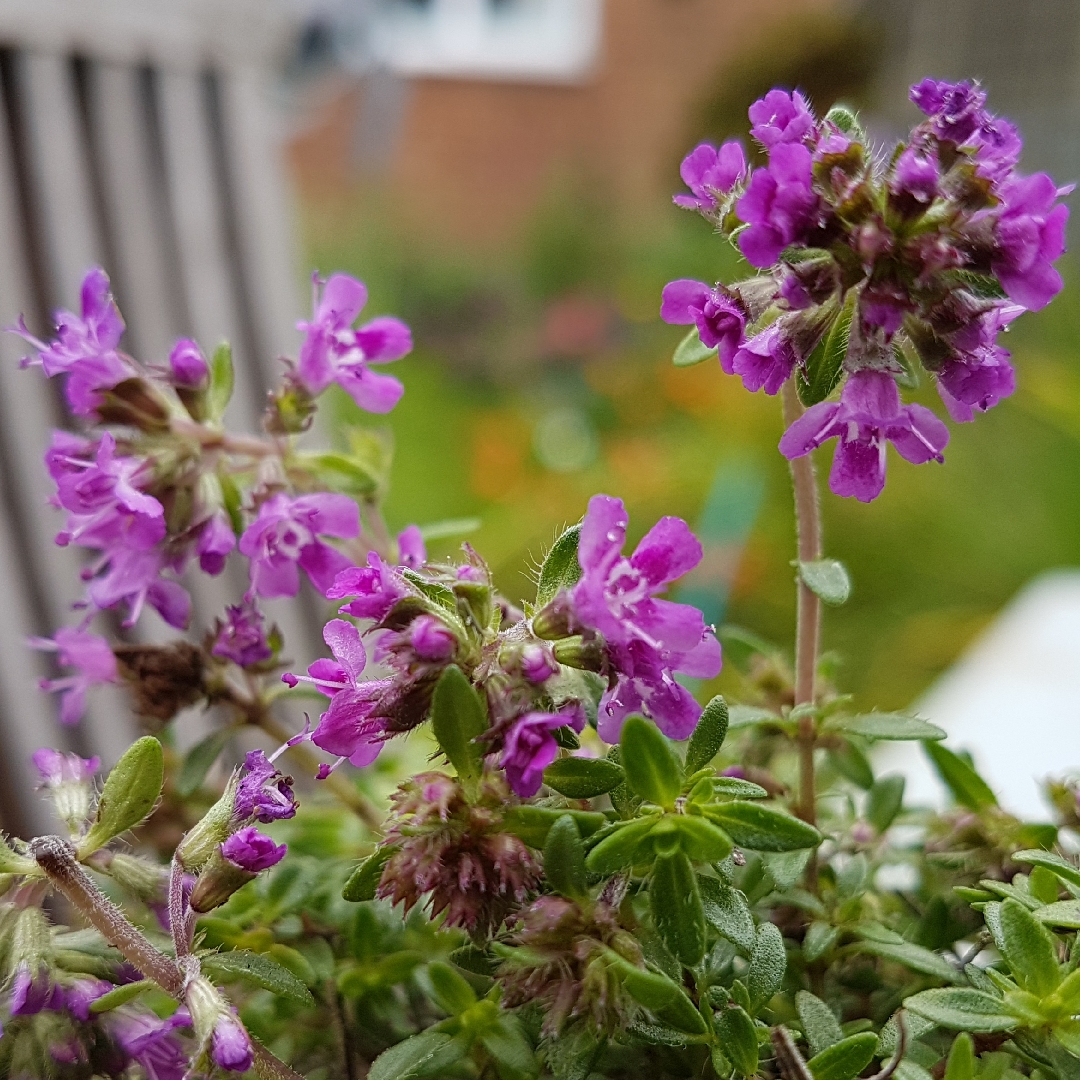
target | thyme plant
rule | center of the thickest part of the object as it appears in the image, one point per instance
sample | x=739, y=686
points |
x=599, y=877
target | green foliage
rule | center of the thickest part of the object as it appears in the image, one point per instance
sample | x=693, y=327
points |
x=691, y=350
x=827, y=579
x=652, y=769
x=221, y=382
x=823, y=370
x=259, y=969
x=888, y=726
x=761, y=828
x=967, y=786
x=129, y=794
x=707, y=738
x=583, y=778
x=560, y=569
x=677, y=911
x=458, y=718
x=844, y=1060
x=564, y=859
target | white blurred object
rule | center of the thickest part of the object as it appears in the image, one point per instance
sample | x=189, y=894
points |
x=552, y=41
x=1012, y=700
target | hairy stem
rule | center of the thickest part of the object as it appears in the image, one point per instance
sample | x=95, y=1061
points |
x=808, y=619
x=57, y=858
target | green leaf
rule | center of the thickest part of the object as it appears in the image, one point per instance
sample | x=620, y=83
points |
x=663, y=997
x=961, y=1062
x=820, y=938
x=762, y=828
x=531, y=823
x=458, y=718
x=415, y=1056
x=451, y=992
x=583, y=778
x=846, y=1059
x=967, y=786
x=364, y=880
x=740, y=716
x=652, y=769
x=199, y=760
x=962, y=1009
x=221, y=382
x=817, y=379
x=707, y=738
x=341, y=472
x=676, y=908
x=727, y=911
x=852, y=764
x=1064, y=869
x=1029, y=950
x=738, y=789
x=891, y=946
x=892, y=726
x=827, y=579
x=1044, y=885
x=13, y=863
x=691, y=351
x=768, y=962
x=820, y=1025
x=259, y=969
x=702, y=841
x=564, y=859
x=560, y=569
x=121, y=995
x=506, y=1043
x=885, y=801
x=1063, y=913
x=735, y=1032
x=129, y=794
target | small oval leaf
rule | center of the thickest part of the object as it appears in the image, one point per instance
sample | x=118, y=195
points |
x=129, y=794
x=583, y=778
x=890, y=726
x=827, y=579
x=691, y=351
x=458, y=718
x=652, y=769
x=564, y=859
x=708, y=736
x=961, y=1009
x=259, y=969
x=762, y=828
x=846, y=1059
x=676, y=908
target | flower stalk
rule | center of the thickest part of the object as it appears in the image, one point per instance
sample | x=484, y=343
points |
x=808, y=616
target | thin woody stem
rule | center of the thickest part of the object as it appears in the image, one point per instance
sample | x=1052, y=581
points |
x=57, y=858
x=808, y=619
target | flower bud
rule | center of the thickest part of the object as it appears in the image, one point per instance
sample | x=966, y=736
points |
x=68, y=779
x=233, y=865
x=556, y=620
x=188, y=365
x=217, y=1027
x=141, y=878
x=577, y=652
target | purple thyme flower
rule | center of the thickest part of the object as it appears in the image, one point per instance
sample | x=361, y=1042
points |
x=230, y=1045
x=93, y=661
x=242, y=637
x=252, y=850
x=780, y=117
x=979, y=375
x=149, y=1042
x=956, y=110
x=530, y=747
x=57, y=768
x=106, y=507
x=263, y=793
x=916, y=174
x=188, y=365
x=81, y=994
x=766, y=361
x=1030, y=234
x=779, y=205
x=710, y=172
x=285, y=536
x=345, y=728
x=431, y=639
x=377, y=588
x=333, y=352
x=720, y=319
x=616, y=597
x=868, y=415
x=216, y=541
x=536, y=663
x=411, y=549
x=32, y=991
x=134, y=576
x=85, y=348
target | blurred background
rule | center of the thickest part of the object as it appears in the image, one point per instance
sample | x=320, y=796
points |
x=500, y=174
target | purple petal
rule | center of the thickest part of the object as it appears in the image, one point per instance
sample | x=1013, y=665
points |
x=343, y=298
x=275, y=578
x=603, y=532
x=681, y=300
x=322, y=564
x=384, y=339
x=373, y=392
x=924, y=438
x=813, y=428
x=344, y=641
x=171, y=601
x=858, y=469
x=331, y=515
x=666, y=552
